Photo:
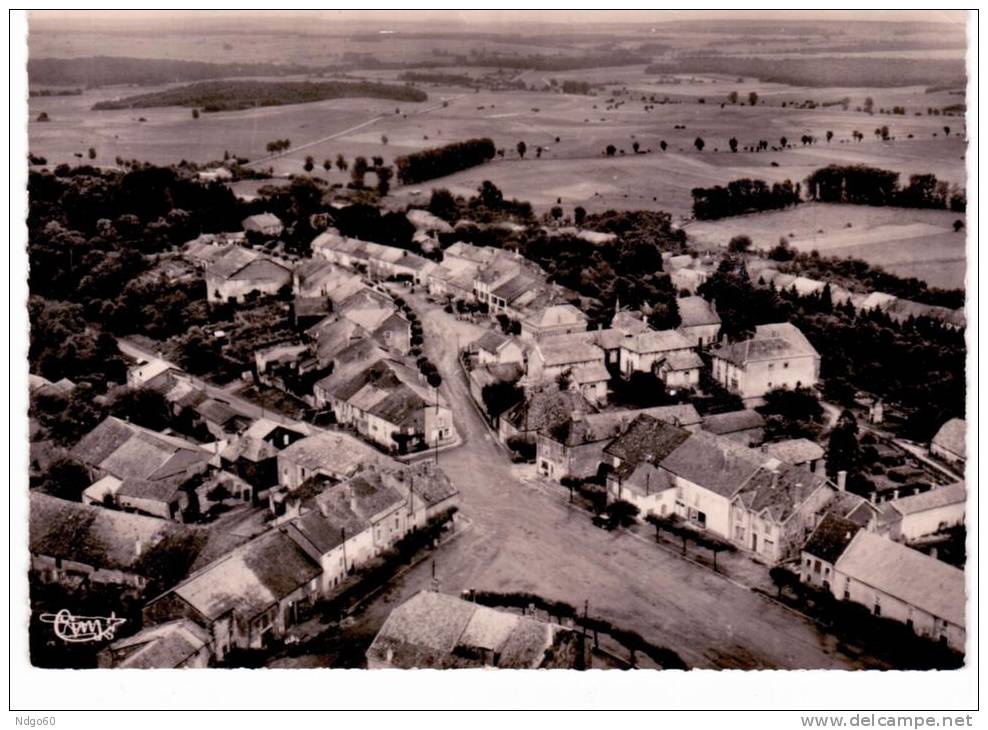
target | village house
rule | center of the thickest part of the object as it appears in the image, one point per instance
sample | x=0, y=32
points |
x=180, y=644
x=680, y=370
x=241, y=271
x=253, y=456
x=248, y=598
x=798, y=452
x=128, y=451
x=902, y=584
x=493, y=348
x=825, y=545
x=389, y=404
x=632, y=464
x=541, y=409
x=335, y=455
x=557, y=319
x=699, y=321
x=437, y=631
x=554, y=356
x=144, y=371
x=220, y=419
x=646, y=351
x=920, y=515
x=745, y=426
x=267, y=224
x=777, y=356
x=500, y=270
x=74, y=544
x=315, y=277
x=776, y=510
x=950, y=442
x=575, y=447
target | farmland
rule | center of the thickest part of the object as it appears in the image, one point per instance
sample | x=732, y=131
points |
x=566, y=135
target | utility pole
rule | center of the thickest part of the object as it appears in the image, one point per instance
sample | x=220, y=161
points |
x=343, y=533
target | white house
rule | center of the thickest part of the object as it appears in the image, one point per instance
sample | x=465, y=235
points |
x=777, y=356
x=644, y=352
x=919, y=515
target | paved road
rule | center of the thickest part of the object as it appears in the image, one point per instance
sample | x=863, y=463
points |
x=523, y=540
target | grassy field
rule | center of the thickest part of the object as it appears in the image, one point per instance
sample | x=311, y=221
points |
x=904, y=241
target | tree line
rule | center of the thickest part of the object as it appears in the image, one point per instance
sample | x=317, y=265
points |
x=441, y=161
x=743, y=196
x=864, y=185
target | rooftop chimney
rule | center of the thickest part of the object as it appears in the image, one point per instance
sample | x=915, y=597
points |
x=842, y=480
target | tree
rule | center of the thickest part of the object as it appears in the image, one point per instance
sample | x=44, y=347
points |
x=752, y=98
x=610, y=150
x=635, y=146
x=556, y=212
x=434, y=379
x=622, y=512
x=341, y=163
x=198, y=351
x=869, y=105
x=946, y=131
x=843, y=451
x=733, y=144
x=580, y=215
x=830, y=135
x=92, y=153
x=384, y=180
x=499, y=397
x=327, y=165
x=699, y=144
x=66, y=479
x=739, y=244
x=384, y=139
x=783, y=142
x=663, y=145
x=958, y=225
x=521, y=147
x=358, y=172
x=142, y=406
x=309, y=164
x=733, y=97
x=43, y=117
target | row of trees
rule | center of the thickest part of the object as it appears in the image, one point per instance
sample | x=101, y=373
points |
x=864, y=185
x=442, y=161
x=743, y=196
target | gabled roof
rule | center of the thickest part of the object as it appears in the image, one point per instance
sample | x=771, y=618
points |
x=568, y=350
x=629, y=323
x=557, y=315
x=440, y=631
x=491, y=341
x=776, y=494
x=545, y=408
x=337, y=453
x=652, y=342
x=696, y=312
x=909, y=575
x=733, y=421
x=934, y=499
x=228, y=264
x=111, y=539
x=163, y=490
x=251, y=579
x=594, y=427
x=515, y=287
x=679, y=360
x=794, y=451
x=770, y=342
x=647, y=439
x=322, y=530
x=831, y=538
x=262, y=220
x=952, y=436
x=716, y=464
x=595, y=372
x=161, y=646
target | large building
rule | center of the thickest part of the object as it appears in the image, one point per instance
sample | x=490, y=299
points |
x=777, y=356
x=949, y=443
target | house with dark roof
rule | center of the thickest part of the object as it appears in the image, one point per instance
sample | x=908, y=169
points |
x=74, y=544
x=436, y=631
x=899, y=583
x=335, y=455
x=180, y=644
x=633, y=460
x=775, y=511
x=253, y=455
x=247, y=598
x=745, y=426
x=950, y=443
x=221, y=419
x=541, y=409
x=698, y=320
x=825, y=545
x=494, y=348
x=798, y=452
x=267, y=224
x=777, y=356
x=575, y=447
x=390, y=404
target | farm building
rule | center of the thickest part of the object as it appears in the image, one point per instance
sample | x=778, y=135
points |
x=777, y=356
x=267, y=224
x=950, y=442
x=919, y=515
x=241, y=271
x=699, y=321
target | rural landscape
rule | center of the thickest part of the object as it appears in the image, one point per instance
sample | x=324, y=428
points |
x=373, y=342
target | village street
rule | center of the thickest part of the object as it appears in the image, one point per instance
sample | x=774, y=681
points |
x=522, y=539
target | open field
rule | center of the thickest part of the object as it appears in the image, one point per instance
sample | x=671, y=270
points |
x=904, y=241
